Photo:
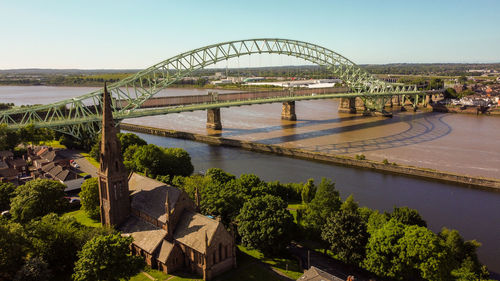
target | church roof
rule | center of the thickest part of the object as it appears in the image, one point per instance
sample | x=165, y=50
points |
x=165, y=250
x=149, y=196
x=146, y=236
x=191, y=229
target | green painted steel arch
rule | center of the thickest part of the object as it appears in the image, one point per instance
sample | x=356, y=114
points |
x=138, y=88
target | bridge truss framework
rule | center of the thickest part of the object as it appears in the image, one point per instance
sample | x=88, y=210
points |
x=80, y=114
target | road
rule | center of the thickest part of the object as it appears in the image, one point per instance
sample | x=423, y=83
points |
x=85, y=165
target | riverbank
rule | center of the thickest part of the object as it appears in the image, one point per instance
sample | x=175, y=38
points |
x=467, y=110
x=430, y=174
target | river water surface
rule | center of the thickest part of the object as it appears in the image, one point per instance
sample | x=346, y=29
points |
x=457, y=143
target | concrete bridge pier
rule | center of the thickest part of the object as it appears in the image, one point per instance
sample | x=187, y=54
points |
x=347, y=105
x=288, y=111
x=213, y=119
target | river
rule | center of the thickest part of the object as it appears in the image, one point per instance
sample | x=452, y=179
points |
x=458, y=143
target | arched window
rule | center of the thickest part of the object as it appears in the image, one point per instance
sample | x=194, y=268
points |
x=220, y=252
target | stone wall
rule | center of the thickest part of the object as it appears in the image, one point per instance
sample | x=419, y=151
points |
x=478, y=182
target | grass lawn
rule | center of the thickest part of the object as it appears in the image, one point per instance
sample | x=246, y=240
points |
x=279, y=263
x=52, y=143
x=90, y=159
x=82, y=218
x=292, y=208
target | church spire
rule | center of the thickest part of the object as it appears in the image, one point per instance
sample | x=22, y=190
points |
x=113, y=177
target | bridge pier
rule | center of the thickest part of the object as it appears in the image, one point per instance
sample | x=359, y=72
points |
x=347, y=105
x=288, y=111
x=213, y=119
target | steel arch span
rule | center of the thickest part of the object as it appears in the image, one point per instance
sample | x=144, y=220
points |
x=72, y=115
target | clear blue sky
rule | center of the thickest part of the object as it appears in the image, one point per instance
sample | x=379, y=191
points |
x=136, y=34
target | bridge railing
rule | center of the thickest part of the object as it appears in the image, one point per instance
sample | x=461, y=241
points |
x=226, y=97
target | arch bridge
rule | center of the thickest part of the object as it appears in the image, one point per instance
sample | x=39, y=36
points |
x=81, y=114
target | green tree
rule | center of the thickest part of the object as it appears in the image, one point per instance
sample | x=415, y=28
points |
x=8, y=138
x=37, y=198
x=264, y=223
x=326, y=202
x=6, y=194
x=407, y=216
x=107, y=258
x=345, y=232
x=308, y=191
x=223, y=200
x=421, y=253
x=35, y=269
x=12, y=249
x=128, y=139
x=219, y=175
x=90, y=198
x=463, y=253
x=177, y=161
x=382, y=253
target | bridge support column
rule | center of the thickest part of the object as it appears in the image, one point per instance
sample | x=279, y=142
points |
x=347, y=105
x=213, y=119
x=288, y=111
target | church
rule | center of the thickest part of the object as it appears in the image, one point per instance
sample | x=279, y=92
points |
x=168, y=231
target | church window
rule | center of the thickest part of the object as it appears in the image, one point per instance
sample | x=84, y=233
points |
x=116, y=165
x=225, y=251
x=114, y=189
x=220, y=252
x=214, y=258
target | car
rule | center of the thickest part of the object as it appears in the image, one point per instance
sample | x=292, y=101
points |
x=75, y=165
x=74, y=201
x=86, y=177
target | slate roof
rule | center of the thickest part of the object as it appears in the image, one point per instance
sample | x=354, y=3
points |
x=146, y=236
x=191, y=229
x=165, y=250
x=149, y=196
x=316, y=274
x=6, y=154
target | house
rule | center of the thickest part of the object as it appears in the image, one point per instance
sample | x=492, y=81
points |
x=56, y=172
x=316, y=274
x=168, y=231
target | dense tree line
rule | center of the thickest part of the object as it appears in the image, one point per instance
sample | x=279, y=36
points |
x=396, y=245
x=37, y=243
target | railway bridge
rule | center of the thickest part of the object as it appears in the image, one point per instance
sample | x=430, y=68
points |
x=134, y=96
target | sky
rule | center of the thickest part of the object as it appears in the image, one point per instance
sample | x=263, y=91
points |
x=137, y=34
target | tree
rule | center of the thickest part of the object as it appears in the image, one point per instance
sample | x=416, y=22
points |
x=407, y=216
x=107, y=258
x=6, y=194
x=462, y=79
x=422, y=254
x=382, y=254
x=264, y=223
x=56, y=240
x=177, y=161
x=219, y=175
x=37, y=198
x=345, y=232
x=35, y=269
x=129, y=139
x=8, y=138
x=326, y=202
x=90, y=198
x=308, y=191
x=12, y=249
x=464, y=257
x=154, y=161
x=223, y=200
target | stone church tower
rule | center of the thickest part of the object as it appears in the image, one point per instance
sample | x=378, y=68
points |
x=113, y=177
